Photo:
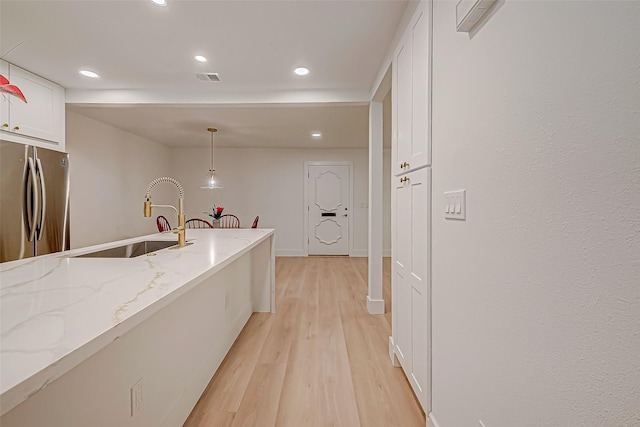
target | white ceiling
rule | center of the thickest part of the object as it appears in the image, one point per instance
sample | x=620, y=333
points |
x=144, y=55
x=254, y=125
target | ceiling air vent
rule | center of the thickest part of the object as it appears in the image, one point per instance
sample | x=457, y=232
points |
x=208, y=77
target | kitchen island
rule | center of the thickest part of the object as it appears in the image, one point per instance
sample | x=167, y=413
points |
x=126, y=341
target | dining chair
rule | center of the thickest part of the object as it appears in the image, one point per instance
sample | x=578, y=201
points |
x=229, y=221
x=198, y=223
x=163, y=223
x=255, y=222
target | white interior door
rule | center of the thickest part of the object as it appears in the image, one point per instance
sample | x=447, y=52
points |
x=328, y=209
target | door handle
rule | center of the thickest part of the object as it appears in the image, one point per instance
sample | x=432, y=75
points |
x=43, y=194
x=404, y=165
x=345, y=215
x=16, y=128
x=30, y=198
x=5, y=125
x=404, y=179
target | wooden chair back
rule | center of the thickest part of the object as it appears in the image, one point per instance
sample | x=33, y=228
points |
x=163, y=223
x=255, y=222
x=229, y=221
x=198, y=223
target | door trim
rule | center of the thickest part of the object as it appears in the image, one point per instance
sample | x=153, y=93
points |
x=305, y=209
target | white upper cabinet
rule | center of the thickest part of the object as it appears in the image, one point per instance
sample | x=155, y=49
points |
x=421, y=136
x=403, y=96
x=39, y=121
x=412, y=97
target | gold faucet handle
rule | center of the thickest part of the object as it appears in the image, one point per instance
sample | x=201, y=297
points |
x=178, y=229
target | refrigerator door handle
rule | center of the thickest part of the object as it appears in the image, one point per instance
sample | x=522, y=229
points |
x=43, y=194
x=30, y=199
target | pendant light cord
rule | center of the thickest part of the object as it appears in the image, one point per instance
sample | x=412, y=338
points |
x=212, y=130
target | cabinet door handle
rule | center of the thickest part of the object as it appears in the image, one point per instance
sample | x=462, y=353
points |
x=404, y=179
x=404, y=165
x=16, y=128
x=5, y=125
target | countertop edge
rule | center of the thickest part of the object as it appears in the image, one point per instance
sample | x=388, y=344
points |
x=22, y=391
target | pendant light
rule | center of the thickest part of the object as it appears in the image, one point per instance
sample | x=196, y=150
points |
x=213, y=179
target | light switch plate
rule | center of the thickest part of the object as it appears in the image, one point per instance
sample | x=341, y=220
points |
x=455, y=204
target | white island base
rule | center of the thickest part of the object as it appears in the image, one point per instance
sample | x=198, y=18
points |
x=172, y=353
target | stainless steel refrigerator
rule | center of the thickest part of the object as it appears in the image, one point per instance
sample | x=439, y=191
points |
x=34, y=201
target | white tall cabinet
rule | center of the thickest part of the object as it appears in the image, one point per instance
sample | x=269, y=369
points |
x=411, y=95
x=39, y=121
x=411, y=205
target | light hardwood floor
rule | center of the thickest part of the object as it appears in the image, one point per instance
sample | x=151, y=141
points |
x=320, y=360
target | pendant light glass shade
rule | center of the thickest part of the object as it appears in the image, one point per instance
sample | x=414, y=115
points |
x=212, y=180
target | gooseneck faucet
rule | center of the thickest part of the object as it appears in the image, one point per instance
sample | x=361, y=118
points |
x=180, y=230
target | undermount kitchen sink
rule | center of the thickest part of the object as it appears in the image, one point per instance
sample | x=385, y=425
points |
x=131, y=250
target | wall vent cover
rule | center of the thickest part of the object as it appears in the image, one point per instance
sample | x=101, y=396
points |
x=470, y=12
x=208, y=77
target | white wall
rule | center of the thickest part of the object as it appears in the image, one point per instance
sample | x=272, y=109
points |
x=386, y=203
x=110, y=171
x=536, y=296
x=386, y=172
x=269, y=183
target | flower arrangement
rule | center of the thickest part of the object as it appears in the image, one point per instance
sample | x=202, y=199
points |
x=216, y=212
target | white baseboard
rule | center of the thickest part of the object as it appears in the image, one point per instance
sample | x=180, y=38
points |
x=392, y=353
x=375, y=306
x=290, y=252
x=431, y=420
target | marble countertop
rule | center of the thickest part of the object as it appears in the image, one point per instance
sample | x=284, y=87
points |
x=56, y=311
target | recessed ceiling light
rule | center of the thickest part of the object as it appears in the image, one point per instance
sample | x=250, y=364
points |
x=200, y=58
x=88, y=73
x=316, y=134
x=159, y=2
x=301, y=71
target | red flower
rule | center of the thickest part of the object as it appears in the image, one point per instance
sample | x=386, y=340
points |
x=216, y=212
x=10, y=89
